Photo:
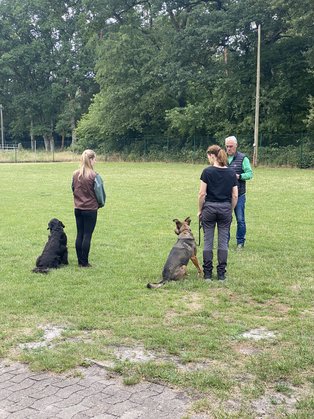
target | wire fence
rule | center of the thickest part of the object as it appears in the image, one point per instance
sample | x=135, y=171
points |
x=295, y=150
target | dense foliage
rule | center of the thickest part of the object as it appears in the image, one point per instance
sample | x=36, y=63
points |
x=124, y=71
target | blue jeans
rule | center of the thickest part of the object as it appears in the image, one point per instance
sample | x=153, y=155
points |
x=239, y=212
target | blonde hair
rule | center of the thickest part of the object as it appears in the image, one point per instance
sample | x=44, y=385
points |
x=86, y=167
x=220, y=154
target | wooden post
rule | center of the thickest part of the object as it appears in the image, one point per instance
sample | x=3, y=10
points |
x=258, y=74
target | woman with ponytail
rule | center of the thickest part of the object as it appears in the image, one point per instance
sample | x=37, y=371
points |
x=85, y=206
x=217, y=198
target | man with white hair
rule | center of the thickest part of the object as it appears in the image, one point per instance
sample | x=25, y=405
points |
x=241, y=165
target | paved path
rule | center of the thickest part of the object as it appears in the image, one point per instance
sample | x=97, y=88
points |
x=94, y=394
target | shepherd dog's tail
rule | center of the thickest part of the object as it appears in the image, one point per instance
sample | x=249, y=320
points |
x=156, y=285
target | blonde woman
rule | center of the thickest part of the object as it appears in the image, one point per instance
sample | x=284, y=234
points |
x=217, y=198
x=85, y=206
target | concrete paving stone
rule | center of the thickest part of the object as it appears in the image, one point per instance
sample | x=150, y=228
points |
x=5, y=393
x=141, y=396
x=95, y=372
x=101, y=408
x=6, y=404
x=96, y=400
x=96, y=394
x=156, y=414
x=118, y=397
x=164, y=407
x=65, y=392
x=168, y=394
x=46, y=402
x=5, y=376
x=74, y=399
x=21, y=376
x=143, y=386
x=95, y=386
x=158, y=388
x=131, y=414
x=40, y=392
x=66, y=382
x=170, y=405
x=21, y=402
x=3, y=414
x=120, y=408
x=22, y=414
x=50, y=412
x=5, y=384
x=116, y=388
x=17, y=397
x=93, y=411
x=71, y=411
x=26, y=383
x=45, y=377
x=15, y=367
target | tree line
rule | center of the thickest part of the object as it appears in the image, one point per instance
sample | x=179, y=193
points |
x=109, y=73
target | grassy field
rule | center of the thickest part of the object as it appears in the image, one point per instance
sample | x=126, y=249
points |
x=189, y=334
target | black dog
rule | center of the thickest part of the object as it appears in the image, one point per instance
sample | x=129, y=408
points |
x=180, y=254
x=55, y=252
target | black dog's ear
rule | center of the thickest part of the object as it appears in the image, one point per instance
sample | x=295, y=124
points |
x=179, y=224
x=188, y=220
x=62, y=225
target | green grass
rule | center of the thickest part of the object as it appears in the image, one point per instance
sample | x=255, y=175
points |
x=194, y=329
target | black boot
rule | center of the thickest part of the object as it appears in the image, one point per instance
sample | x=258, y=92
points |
x=208, y=264
x=222, y=264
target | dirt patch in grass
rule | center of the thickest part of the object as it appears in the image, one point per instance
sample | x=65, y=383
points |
x=259, y=334
x=246, y=349
x=193, y=302
x=50, y=333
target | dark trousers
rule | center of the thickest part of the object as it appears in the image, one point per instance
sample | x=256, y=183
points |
x=85, y=224
x=220, y=214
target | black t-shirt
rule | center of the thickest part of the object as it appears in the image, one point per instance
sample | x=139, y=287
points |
x=220, y=182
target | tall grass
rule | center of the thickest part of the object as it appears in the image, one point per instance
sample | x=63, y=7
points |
x=194, y=329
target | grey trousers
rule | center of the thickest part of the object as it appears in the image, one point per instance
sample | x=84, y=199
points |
x=220, y=214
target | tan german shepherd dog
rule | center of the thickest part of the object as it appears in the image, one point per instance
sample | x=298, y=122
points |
x=185, y=249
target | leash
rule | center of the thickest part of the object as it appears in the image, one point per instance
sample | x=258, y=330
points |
x=199, y=230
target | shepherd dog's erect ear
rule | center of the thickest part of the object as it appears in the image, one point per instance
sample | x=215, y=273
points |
x=62, y=225
x=188, y=220
x=179, y=224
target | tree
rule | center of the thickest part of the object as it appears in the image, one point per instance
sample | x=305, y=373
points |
x=44, y=63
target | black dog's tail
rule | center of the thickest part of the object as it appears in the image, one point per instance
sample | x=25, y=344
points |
x=40, y=270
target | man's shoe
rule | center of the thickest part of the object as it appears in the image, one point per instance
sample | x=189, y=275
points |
x=221, y=277
x=240, y=247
